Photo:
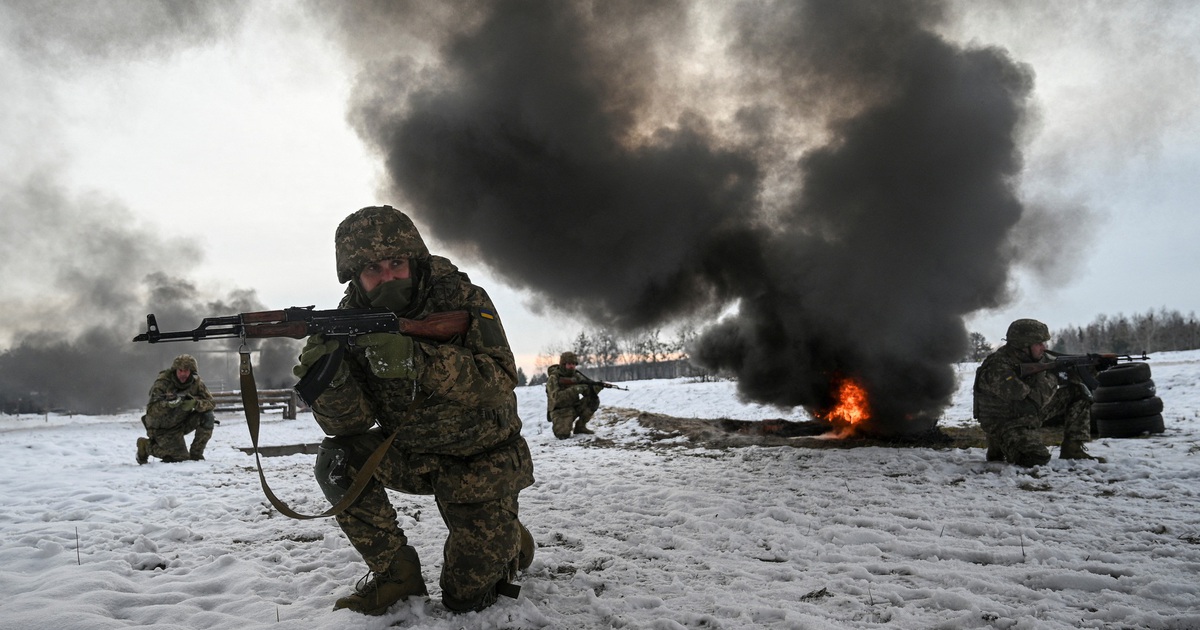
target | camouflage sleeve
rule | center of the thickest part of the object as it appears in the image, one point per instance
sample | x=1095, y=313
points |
x=342, y=409
x=481, y=372
x=1002, y=379
x=160, y=392
x=204, y=399
x=557, y=394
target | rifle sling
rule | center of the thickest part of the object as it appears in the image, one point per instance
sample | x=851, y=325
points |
x=250, y=404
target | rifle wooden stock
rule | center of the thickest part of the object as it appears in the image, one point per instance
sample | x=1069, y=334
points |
x=437, y=326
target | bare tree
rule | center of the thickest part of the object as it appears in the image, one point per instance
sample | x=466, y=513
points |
x=978, y=347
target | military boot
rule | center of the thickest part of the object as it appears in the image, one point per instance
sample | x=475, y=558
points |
x=994, y=454
x=1071, y=449
x=401, y=580
x=143, y=451
x=581, y=427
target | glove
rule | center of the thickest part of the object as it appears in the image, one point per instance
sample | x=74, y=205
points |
x=317, y=347
x=390, y=355
x=188, y=404
x=174, y=402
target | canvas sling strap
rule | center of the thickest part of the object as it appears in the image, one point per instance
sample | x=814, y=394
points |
x=250, y=404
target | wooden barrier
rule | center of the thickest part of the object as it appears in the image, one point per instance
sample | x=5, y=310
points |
x=284, y=400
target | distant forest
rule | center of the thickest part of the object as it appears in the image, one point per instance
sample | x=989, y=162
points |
x=1154, y=331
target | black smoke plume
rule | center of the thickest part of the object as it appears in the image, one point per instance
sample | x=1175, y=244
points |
x=843, y=174
x=92, y=275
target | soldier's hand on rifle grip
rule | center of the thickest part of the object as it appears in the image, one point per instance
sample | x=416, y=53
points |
x=188, y=403
x=390, y=355
x=316, y=347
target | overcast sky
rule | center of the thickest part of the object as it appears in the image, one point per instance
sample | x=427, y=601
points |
x=219, y=139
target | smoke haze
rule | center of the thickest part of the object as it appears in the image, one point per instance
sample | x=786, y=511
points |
x=851, y=186
x=79, y=271
x=838, y=179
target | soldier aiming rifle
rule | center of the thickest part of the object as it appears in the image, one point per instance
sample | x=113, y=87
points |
x=571, y=397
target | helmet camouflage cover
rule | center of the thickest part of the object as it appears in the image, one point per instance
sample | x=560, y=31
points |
x=375, y=233
x=1026, y=332
x=568, y=357
x=184, y=362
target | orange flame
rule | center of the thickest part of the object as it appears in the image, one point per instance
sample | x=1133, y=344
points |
x=852, y=407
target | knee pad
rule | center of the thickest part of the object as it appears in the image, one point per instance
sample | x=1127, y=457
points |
x=330, y=470
x=207, y=420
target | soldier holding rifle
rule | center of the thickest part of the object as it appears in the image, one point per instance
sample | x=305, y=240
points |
x=448, y=408
x=1012, y=403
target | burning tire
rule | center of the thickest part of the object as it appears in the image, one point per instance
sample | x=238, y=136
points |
x=1130, y=427
x=1127, y=408
x=1124, y=374
x=1118, y=393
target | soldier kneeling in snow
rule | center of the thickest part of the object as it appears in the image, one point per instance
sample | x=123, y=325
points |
x=571, y=399
x=179, y=404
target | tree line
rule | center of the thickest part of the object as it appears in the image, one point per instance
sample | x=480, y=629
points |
x=606, y=348
x=1152, y=331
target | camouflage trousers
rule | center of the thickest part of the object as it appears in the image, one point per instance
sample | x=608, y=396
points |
x=483, y=543
x=563, y=419
x=169, y=444
x=1019, y=438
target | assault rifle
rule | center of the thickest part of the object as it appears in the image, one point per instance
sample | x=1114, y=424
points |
x=583, y=380
x=1064, y=362
x=296, y=322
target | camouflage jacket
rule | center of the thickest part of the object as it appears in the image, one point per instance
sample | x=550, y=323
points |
x=160, y=414
x=1001, y=393
x=462, y=402
x=559, y=395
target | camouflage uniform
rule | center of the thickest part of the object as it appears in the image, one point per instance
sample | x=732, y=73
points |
x=167, y=421
x=458, y=432
x=569, y=407
x=1012, y=408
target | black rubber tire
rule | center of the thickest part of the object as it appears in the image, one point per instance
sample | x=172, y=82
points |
x=1124, y=374
x=1127, y=408
x=1130, y=427
x=1118, y=393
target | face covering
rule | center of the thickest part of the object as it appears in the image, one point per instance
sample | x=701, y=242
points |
x=393, y=294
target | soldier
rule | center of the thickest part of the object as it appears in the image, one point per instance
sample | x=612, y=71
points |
x=452, y=409
x=179, y=404
x=570, y=399
x=1011, y=408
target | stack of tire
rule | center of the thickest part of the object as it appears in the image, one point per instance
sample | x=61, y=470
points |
x=1126, y=405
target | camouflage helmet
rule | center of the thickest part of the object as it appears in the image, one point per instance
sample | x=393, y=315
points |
x=568, y=357
x=375, y=233
x=184, y=362
x=1026, y=332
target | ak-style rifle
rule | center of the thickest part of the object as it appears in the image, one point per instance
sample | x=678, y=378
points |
x=1097, y=362
x=343, y=325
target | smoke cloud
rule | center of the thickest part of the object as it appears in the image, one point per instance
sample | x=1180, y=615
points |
x=79, y=272
x=840, y=172
x=96, y=275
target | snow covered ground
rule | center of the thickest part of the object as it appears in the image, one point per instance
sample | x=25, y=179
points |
x=662, y=536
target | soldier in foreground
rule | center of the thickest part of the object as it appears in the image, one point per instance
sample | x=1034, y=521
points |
x=571, y=400
x=179, y=404
x=453, y=412
x=1011, y=408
